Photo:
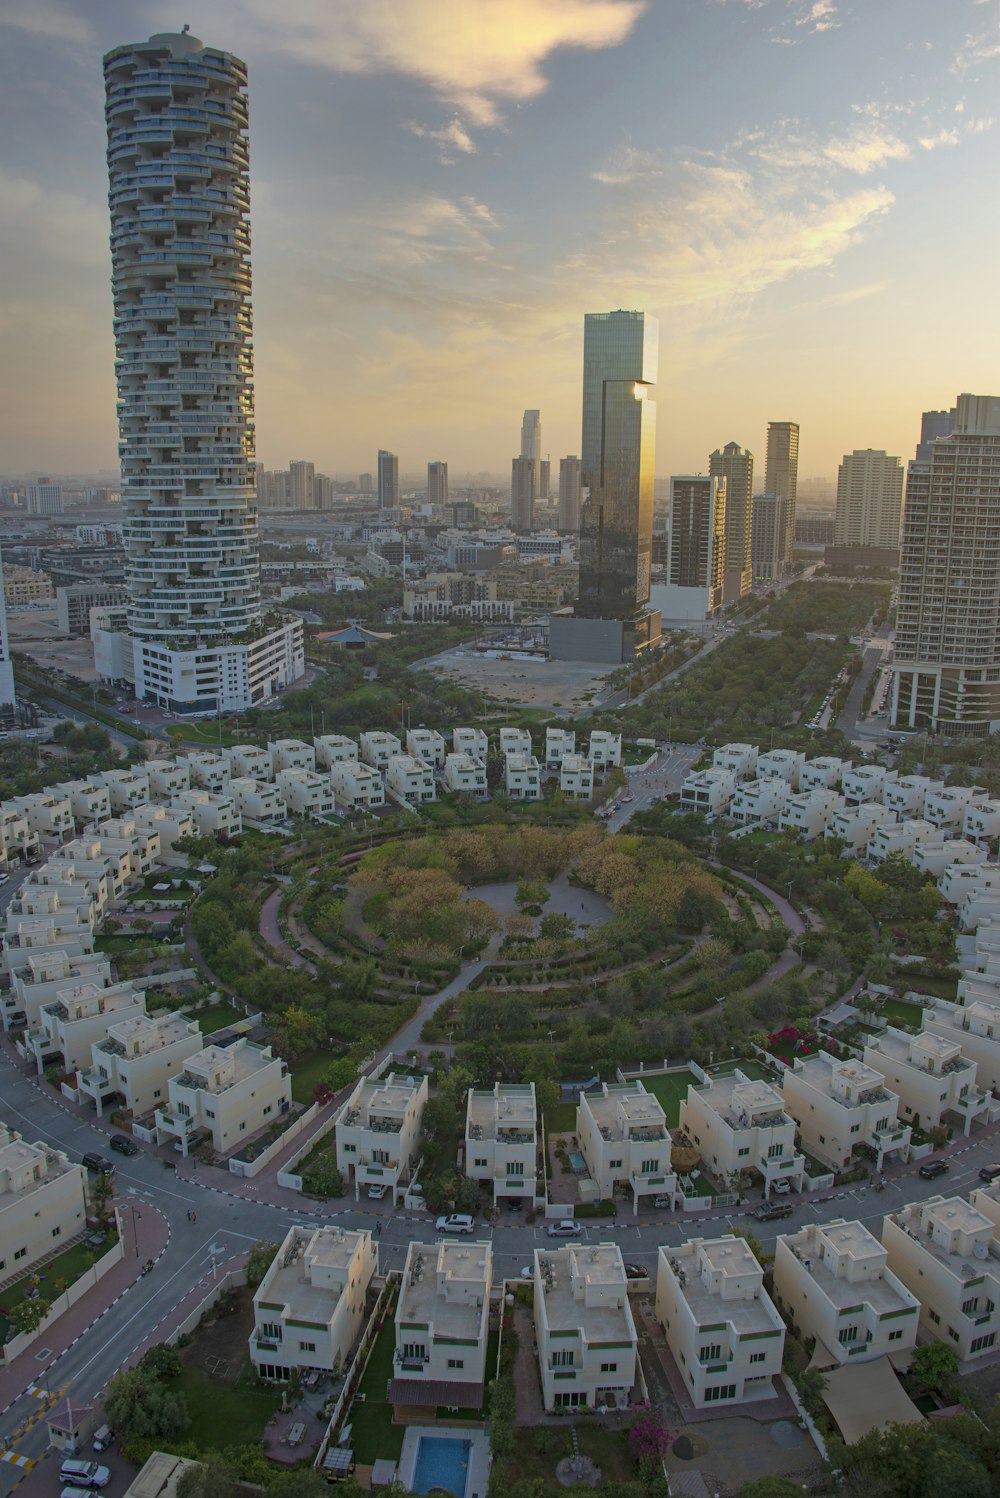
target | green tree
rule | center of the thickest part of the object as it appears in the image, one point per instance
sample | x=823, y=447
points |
x=771, y=1486
x=161, y=1361
x=340, y=1073
x=27, y=1315
x=556, y=927
x=934, y=1366
x=211, y=1479
x=259, y=1260
x=138, y=1405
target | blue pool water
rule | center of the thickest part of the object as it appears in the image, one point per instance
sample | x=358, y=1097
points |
x=577, y=1163
x=442, y=1463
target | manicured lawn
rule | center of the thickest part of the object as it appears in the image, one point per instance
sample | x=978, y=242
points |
x=941, y=988
x=899, y=1012
x=217, y=1017
x=539, y=1449
x=240, y=1411
x=671, y=1088
x=112, y=944
x=307, y=1073
x=68, y=1265
x=701, y=1187
x=560, y=1118
x=373, y=1433
x=750, y=1069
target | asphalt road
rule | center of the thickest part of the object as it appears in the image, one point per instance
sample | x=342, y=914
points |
x=650, y=786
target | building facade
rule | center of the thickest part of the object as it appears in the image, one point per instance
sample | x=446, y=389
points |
x=586, y=1337
x=309, y=1309
x=781, y=473
x=869, y=500
x=735, y=464
x=388, y=480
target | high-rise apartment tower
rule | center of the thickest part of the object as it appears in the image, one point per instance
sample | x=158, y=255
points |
x=769, y=536
x=388, y=480
x=781, y=474
x=947, y=660
x=302, y=484
x=523, y=494
x=437, y=483
x=180, y=249
x=531, y=445
x=6, y=665
x=569, y=493
x=735, y=464
x=697, y=555
x=869, y=501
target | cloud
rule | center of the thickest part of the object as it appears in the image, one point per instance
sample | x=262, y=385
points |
x=478, y=56
x=45, y=18
x=942, y=138
x=868, y=144
x=43, y=224
x=976, y=50
x=627, y=164
x=821, y=15
x=451, y=137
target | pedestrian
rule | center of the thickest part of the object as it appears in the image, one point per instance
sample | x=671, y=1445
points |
x=189, y=1214
x=194, y=1217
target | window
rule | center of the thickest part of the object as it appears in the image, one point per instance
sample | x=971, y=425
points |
x=158, y=1093
x=895, y=1336
x=934, y=1317
x=515, y=1168
x=953, y=1334
x=56, y=1232
x=847, y=1334
x=710, y=1354
x=19, y=1253
x=723, y=1391
x=414, y=1352
x=243, y=1125
x=758, y=1357
x=609, y=1367
x=268, y=1109
x=979, y=1344
x=614, y=1165
x=650, y=1168
x=855, y=1128
x=563, y=1358
x=969, y=1306
x=209, y=1112
x=822, y=1139
x=307, y=1347
x=456, y=1362
x=350, y=1149
x=270, y=1331
x=480, y=1164
x=743, y=1152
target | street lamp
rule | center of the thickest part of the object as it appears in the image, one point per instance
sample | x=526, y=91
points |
x=135, y=1230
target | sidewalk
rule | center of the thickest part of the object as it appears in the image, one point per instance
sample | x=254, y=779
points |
x=145, y=1234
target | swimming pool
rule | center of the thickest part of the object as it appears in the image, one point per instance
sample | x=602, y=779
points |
x=442, y=1462
x=577, y=1163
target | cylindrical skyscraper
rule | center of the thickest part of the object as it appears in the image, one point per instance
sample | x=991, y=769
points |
x=180, y=246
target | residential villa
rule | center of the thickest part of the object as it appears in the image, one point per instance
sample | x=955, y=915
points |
x=69, y=1024
x=261, y=802
x=586, y=1337
x=940, y=1249
x=291, y=754
x=378, y=748
x=522, y=779
x=442, y=1326
x=464, y=772
x=229, y=1093
x=605, y=749
x=357, y=786
x=309, y=1309
x=741, y=1125
x=501, y=1141
x=930, y=1076
x=411, y=779
x=42, y=1202
x=334, y=749
x=558, y=743
x=975, y=1027
x=843, y=1109
x=132, y=1066
x=576, y=777
x=625, y=1142
x=378, y=1131
x=426, y=744
x=471, y=741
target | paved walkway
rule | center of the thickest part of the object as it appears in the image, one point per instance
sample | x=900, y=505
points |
x=270, y=930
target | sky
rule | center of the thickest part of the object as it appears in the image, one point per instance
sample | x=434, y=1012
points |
x=803, y=191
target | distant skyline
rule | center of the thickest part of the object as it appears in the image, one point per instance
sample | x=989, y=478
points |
x=797, y=189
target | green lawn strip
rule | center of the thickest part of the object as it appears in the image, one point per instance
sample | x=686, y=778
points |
x=941, y=988
x=754, y=1071
x=307, y=1073
x=373, y=1433
x=69, y=1265
x=218, y=1017
x=560, y=1118
x=538, y=1451
x=671, y=1089
x=899, y=1012
x=224, y=1415
x=112, y=944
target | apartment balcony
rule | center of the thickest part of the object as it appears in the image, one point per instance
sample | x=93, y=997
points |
x=95, y=1084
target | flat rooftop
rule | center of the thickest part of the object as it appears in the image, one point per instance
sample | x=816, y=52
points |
x=625, y=1111
x=289, y=1284
x=598, y=1265
x=730, y=1097
x=733, y=1257
x=15, y=1156
x=512, y=1108
x=447, y=1285
x=948, y=1214
x=854, y=1240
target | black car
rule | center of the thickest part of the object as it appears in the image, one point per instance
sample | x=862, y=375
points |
x=770, y=1211
x=123, y=1144
x=990, y=1173
x=932, y=1168
x=99, y=1164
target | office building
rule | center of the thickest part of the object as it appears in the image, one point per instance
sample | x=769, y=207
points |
x=947, y=661
x=544, y=478
x=388, y=480
x=7, y=697
x=523, y=494
x=531, y=445
x=768, y=537
x=302, y=484
x=437, y=483
x=45, y=497
x=781, y=474
x=734, y=464
x=569, y=494
x=697, y=554
x=180, y=249
x=612, y=620
x=869, y=507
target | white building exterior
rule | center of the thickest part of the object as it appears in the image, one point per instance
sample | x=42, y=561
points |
x=412, y=779
x=586, y=1337
x=625, y=1141
x=501, y=1140
x=844, y=1107
x=305, y=792
x=959, y=880
x=44, y=976
x=515, y=741
x=426, y=744
x=442, y=1323
x=605, y=749
x=810, y=813
x=898, y=837
x=309, y=1309
x=781, y=764
x=291, y=754
x=740, y=758
x=940, y=1249
x=90, y=801
x=70, y=1023
x=866, y=783
x=856, y=825
x=981, y=820
x=907, y=793
x=334, y=749
x=167, y=778
x=213, y=816
x=522, y=778
x=742, y=1125
x=132, y=1066
x=356, y=785
x=759, y=800
x=558, y=743
x=250, y=760
x=378, y=749
x=934, y=856
x=930, y=1076
x=230, y=1093
x=721, y=1325
x=576, y=777
x=709, y=791
x=946, y=807
x=824, y=772
x=209, y=771
x=975, y=1027
x=42, y=1202
x=378, y=1131
x=834, y=1279
x=463, y=772
x=258, y=801
x=470, y=741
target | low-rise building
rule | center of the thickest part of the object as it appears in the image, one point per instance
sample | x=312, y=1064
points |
x=228, y=1092
x=356, y=785
x=934, y=856
x=42, y=1202
x=781, y=764
x=605, y=749
x=515, y=741
x=18, y=841
x=249, y=761
x=90, y=801
x=907, y=793
x=132, y=1065
x=442, y=1325
x=309, y=1309
x=470, y=741
x=501, y=1141
x=625, y=1142
x=810, y=813
x=213, y=816
x=47, y=814
x=291, y=754
x=975, y=1027
x=141, y=843
x=709, y=791
x=586, y=1337
x=305, y=792
x=981, y=821
x=741, y=1125
x=167, y=778
x=740, y=758
x=71, y=1022
x=87, y=857
x=260, y=802
x=898, y=837
x=411, y=779
x=522, y=778
x=843, y=1109
x=576, y=777
x=855, y=826
x=759, y=800
x=426, y=744
x=946, y=807
x=378, y=749
x=721, y=1326
x=170, y=824
x=126, y=788
x=986, y=1199
x=835, y=1280
x=960, y=879
x=209, y=772
x=25, y=934
x=930, y=1076
x=940, y=1249
x=334, y=749
x=464, y=772
x=824, y=772
x=43, y=977
x=558, y=743
x=378, y=1131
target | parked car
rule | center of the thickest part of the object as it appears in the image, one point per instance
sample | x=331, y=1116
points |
x=85, y=1474
x=377, y=1190
x=457, y=1222
x=74, y=1492
x=781, y=1188
x=636, y=1272
x=98, y=1164
x=989, y=1173
x=565, y=1229
x=932, y=1168
x=103, y=1437
x=770, y=1211
x=123, y=1144
x=662, y=1202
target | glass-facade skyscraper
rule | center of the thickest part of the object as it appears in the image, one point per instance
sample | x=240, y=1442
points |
x=617, y=456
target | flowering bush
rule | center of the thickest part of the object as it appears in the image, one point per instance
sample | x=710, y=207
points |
x=648, y=1440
